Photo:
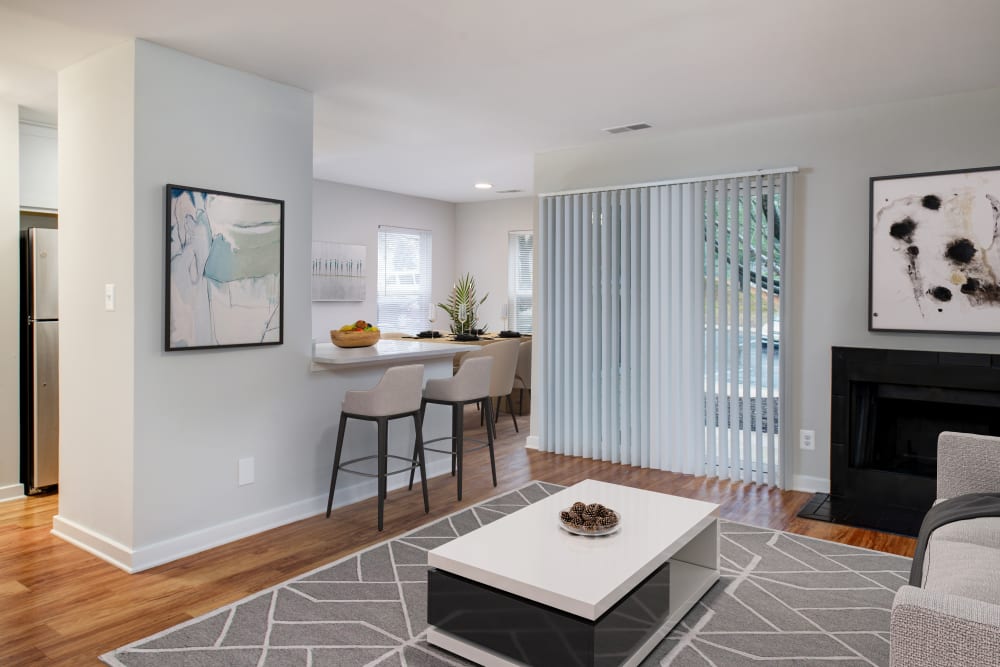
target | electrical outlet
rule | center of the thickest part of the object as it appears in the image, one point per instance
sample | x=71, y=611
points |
x=245, y=475
x=807, y=440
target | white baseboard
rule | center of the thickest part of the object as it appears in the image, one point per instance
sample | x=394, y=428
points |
x=93, y=542
x=11, y=492
x=146, y=557
x=532, y=442
x=810, y=484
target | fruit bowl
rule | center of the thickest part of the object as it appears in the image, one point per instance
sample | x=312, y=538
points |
x=354, y=338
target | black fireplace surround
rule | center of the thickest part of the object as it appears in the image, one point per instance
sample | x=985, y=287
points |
x=888, y=408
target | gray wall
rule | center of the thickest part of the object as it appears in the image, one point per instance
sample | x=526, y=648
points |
x=10, y=417
x=481, y=249
x=349, y=214
x=837, y=153
x=197, y=413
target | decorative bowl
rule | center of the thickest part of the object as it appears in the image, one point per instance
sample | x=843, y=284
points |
x=354, y=338
x=584, y=524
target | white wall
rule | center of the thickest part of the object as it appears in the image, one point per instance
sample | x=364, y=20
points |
x=838, y=152
x=349, y=214
x=96, y=242
x=481, y=247
x=39, y=167
x=9, y=305
x=198, y=412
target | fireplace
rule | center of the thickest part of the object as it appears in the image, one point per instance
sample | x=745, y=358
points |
x=887, y=409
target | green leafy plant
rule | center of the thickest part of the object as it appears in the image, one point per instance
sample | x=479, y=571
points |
x=463, y=294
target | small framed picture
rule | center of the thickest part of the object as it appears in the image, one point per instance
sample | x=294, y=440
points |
x=338, y=271
x=934, y=252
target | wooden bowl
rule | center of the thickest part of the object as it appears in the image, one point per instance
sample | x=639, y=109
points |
x=354, y=338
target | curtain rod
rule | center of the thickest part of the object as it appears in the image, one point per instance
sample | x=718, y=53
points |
x=676, y=181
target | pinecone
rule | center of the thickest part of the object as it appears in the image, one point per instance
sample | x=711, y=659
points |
x=593, y=517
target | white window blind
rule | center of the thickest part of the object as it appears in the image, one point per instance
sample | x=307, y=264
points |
x=664, y=304
x=404, y=279
x=519, y=277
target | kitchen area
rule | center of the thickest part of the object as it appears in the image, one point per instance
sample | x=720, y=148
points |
x=29, y=443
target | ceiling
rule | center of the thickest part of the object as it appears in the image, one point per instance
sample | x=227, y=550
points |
x=429, y=97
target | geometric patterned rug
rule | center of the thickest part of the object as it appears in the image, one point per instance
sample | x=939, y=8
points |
x=782, y=599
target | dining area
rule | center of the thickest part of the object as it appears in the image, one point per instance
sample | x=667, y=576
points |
x=406, y=404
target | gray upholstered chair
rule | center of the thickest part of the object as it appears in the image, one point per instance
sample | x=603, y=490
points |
x=953, y=618
x=504, y=354
x=470, y=385
x=396, y=396
x=522, y=372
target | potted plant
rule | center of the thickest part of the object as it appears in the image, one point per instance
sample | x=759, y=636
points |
x=463, y=306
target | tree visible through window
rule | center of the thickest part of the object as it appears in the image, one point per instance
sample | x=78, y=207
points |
x=404, y=279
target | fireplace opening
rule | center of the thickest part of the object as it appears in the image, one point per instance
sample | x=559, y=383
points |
x=887, y=409
x=895, y=427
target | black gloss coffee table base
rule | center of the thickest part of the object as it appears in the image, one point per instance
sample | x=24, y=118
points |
x=524, y=631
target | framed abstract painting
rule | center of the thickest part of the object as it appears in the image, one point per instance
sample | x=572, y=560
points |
x=224, y=269
x=934, y=252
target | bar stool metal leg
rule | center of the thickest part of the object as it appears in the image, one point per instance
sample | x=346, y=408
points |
x=336, y=462
x=510, y=409
x=457, y=428
x=489, y=442
x=418, y=447
x=423, y=410
x=383, y=450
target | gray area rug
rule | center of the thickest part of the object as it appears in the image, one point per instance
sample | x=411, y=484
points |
x=782, y=598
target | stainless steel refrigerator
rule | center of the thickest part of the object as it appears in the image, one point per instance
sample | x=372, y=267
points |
x=40, y=360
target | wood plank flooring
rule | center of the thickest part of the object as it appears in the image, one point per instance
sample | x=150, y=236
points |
x=61, y=606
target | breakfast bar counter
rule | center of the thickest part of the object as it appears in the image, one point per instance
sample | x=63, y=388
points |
x=329, y=357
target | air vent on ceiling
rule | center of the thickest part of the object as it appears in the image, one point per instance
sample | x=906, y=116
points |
x=627, y=128
x=507, y=192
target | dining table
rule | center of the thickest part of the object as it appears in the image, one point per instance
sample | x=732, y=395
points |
x=483, y=339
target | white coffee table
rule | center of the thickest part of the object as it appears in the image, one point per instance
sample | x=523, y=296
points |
x=523, y=591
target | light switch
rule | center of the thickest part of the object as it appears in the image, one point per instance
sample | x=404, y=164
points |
x=109, y=296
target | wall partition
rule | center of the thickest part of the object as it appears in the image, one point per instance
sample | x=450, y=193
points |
x=660, y=324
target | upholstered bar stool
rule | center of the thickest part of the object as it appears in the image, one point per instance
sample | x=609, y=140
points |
x=470, y=385
x=504, y=354
x=396, y=396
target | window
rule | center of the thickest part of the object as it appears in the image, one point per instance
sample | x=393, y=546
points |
x=519, y=276
x=404, y=279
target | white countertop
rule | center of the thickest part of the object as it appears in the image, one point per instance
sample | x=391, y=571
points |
x=526, y=553
x=384, y=352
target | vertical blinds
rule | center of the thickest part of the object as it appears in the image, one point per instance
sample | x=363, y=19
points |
x=661, y=306
x=404, y=279
x=519, y=281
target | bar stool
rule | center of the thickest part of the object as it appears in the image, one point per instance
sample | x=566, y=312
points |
x=522, y=372
x=470, y=385
x=396, y=396
x=504, y=354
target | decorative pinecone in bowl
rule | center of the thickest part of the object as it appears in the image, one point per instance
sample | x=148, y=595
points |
x=593, y=517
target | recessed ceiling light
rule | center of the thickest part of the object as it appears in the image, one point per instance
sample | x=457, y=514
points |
x=484, y=186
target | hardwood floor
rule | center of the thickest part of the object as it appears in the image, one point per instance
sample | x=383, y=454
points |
x=61, y=606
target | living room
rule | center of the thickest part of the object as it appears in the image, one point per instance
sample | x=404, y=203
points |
x=147, y=459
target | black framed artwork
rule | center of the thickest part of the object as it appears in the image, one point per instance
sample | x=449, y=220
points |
x=934, y=252
x=224, y=269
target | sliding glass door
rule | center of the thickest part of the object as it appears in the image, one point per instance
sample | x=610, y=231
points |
x=660, y=330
